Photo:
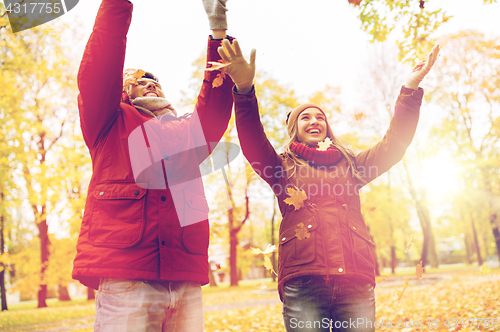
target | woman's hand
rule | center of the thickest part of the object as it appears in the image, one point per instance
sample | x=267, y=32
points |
x=241, y=72
x=420, y=70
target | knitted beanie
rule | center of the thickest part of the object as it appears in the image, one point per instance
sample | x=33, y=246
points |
x=294, y=114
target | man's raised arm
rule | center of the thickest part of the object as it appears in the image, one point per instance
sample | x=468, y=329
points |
x=100, y=78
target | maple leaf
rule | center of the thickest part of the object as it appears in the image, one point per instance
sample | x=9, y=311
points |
x=267, y=263
x=297, y=197
x=130, y=76
x=217, y=266
x=380, y=279
x=419, y=270
x=301, y=232
x=269, y=249
x=401, y=292
x=355, y=2
x=323, y=146
x=261, y=285
x=485, y=269
x=359, y=116
x=410, y=243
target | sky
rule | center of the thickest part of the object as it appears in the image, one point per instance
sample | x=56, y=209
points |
x=303, y=44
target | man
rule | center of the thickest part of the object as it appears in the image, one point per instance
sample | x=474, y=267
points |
x=144, y=235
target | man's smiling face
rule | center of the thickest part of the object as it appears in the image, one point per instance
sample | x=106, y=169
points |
x=146, y=87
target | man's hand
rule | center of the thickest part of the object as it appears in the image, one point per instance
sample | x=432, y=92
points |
x=420, y=70
x=241, y=72
x=216, y=12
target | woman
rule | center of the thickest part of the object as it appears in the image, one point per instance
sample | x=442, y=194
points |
x=326, y=258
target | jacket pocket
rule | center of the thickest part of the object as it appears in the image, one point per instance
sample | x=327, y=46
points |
x=117, y=218
x=297, y=243
x=196, y=233
x=363, y=246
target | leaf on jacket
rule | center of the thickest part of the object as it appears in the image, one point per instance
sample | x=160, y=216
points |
x=380, y=279
x=297, y=197
x=419, y=270
x=410, y=243
x=301, y=232
x=359, y=116
x=323, y=146
x=401, y=292
x=355, y=2
x=485, y=269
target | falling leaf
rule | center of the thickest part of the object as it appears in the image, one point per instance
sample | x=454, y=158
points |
x=373, y=208
x=267, y=263
x=301, y=232
x=297, y=197
x=359, y=116
x=216, y=65
x=401, y=292
x=421, y=4
x=410, y=243
x=323, y=146
x=269, y=249
x=497, y=47
x=419, y=270
x=485, y=269
x=355, y=2
x=380, y=279
x=217, y=266
x=261, y=285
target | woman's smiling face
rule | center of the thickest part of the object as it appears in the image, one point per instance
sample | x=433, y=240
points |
x=311, y=126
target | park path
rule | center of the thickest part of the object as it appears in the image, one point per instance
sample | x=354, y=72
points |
x=386, y=286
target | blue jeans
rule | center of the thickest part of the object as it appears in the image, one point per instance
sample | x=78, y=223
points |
x=149, y=306
x=311, y=304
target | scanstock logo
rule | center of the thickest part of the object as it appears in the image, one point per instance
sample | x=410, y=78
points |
x=165, y=154
x=26, y=14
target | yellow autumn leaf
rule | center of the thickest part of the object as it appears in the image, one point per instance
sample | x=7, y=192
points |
x=268, y=250
x=419, y=270
x=401, y=292
x=297, y=197
x=380, y=279
x=323, y=146
x=359, y=116
x=261, y=285
x=410, y=243
x=301, y=232
x=485, y=269
x=267, y=263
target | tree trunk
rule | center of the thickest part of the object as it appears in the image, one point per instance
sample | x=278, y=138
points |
x=90, y=294
x=496, y=233
x=233, y=247
x=63, y=293
x=467, y=249
x=2, y=244
x=429, y=255
x=211, y=277
x=476, y=242
x=273, y=254
x=393, y=259
x=44, y=250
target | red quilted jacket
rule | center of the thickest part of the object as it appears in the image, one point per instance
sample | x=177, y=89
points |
x=152, y=225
